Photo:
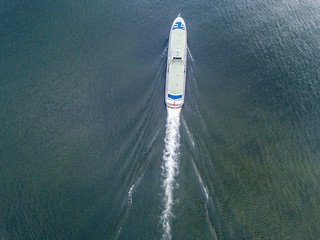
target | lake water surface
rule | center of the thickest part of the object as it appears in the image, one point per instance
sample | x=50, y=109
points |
x=83, y=121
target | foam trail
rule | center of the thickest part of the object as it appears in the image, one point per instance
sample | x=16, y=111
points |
x=208, y=201
x=189, y=52
x=130, y=194
x=128, y=206
x=170, y=167
x=164, y=52
x=188, y=132
x=200, y=181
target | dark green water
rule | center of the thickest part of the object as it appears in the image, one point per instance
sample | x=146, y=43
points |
x=83, y=120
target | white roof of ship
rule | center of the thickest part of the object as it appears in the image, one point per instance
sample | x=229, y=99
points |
x=177, y=68
x=176, y=76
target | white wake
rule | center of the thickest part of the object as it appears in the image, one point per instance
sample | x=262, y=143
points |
x=170, y=167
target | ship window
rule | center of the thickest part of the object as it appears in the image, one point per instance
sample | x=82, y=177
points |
x=178, y=58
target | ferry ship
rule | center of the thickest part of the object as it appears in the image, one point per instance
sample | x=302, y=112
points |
x=176, y=64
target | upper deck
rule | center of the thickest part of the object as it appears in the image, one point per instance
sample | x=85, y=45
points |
x=176, y=77
x=177, y=57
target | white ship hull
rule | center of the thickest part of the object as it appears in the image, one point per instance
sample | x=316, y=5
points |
x=176, y=65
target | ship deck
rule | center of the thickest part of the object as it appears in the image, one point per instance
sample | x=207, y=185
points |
x=176, y=77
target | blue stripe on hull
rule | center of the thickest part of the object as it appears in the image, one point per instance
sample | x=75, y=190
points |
x=174, y=96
